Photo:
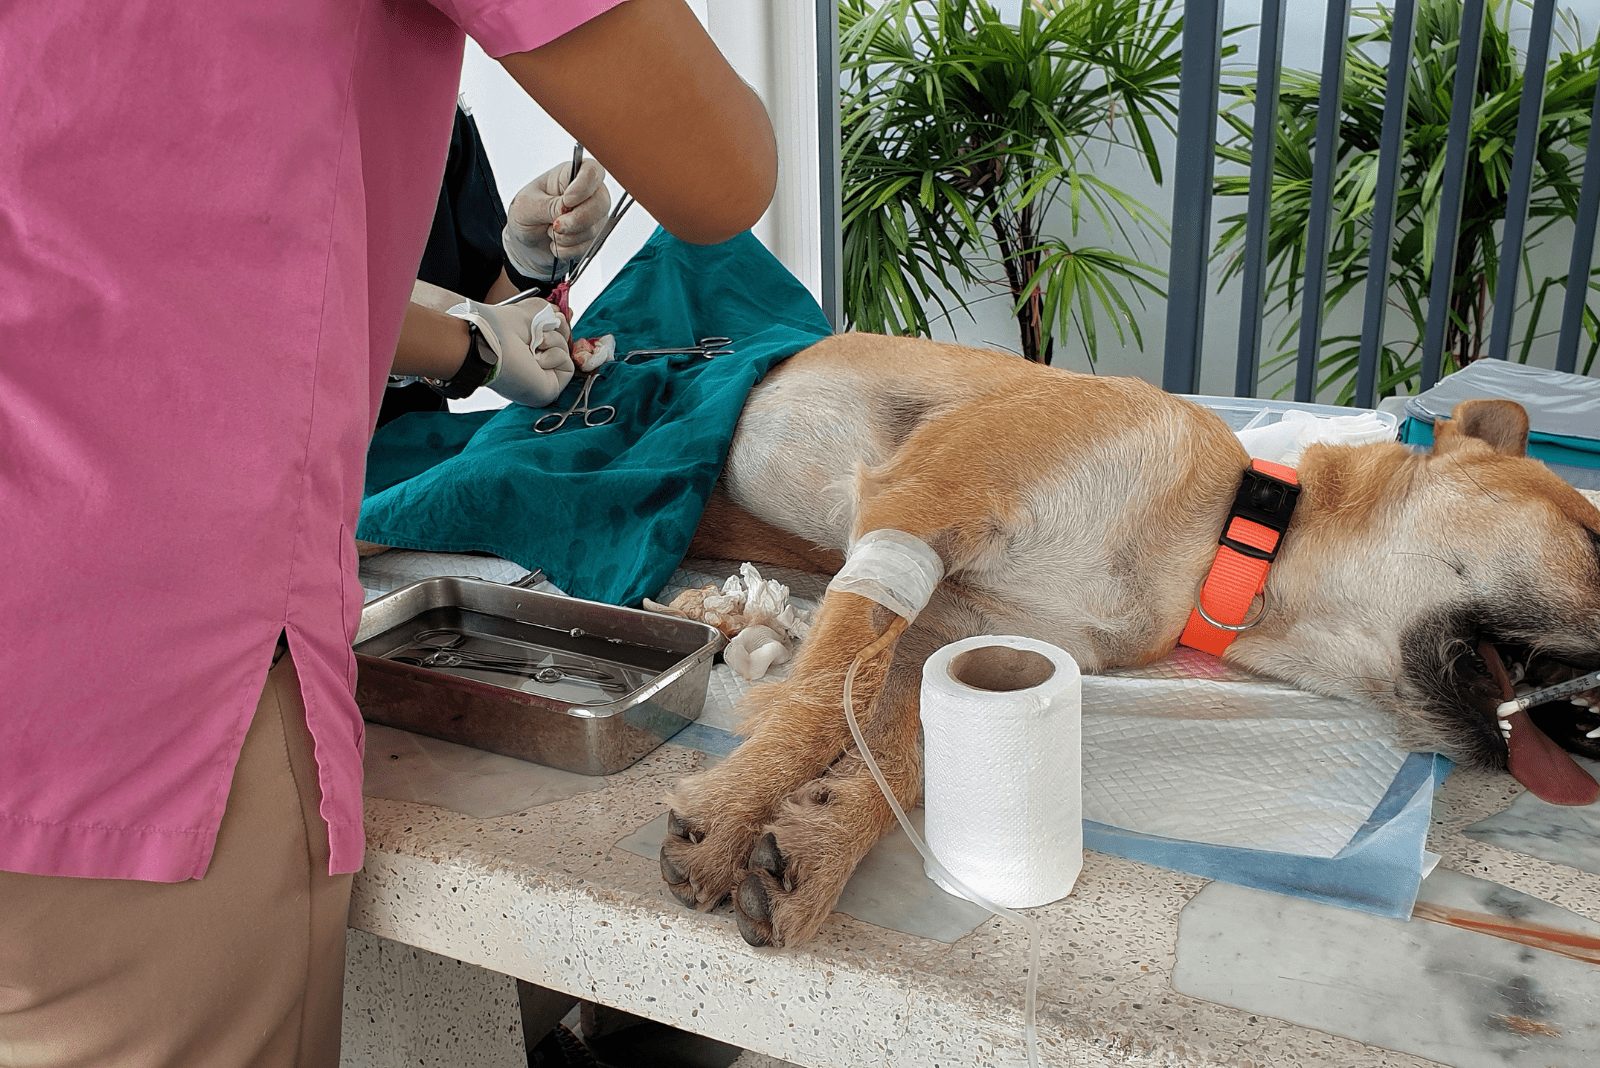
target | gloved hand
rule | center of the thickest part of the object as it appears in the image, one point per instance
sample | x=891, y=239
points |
x=533, y=342
x=552, y=222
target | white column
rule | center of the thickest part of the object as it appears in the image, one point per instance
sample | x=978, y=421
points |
x=773, y=47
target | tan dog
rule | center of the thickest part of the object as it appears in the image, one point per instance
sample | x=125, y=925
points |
x=1085, y=511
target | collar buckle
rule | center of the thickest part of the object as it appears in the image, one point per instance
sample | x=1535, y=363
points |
x=1264, y=498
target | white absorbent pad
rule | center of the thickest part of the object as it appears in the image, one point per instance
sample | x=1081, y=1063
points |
x=1192, y=749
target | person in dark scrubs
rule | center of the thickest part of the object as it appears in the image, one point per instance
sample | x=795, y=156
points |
x=474, y=254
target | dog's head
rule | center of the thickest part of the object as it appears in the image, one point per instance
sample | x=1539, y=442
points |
x=1435, y=584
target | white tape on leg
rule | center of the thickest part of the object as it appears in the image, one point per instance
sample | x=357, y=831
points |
x=893, y=568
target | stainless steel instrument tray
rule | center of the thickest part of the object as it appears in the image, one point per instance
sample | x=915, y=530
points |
x=603, y=686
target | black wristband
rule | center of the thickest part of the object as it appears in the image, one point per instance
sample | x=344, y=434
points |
x=475, y=371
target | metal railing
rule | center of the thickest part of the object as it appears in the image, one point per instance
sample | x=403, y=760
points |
x=1200, y=84
x=1199, y=88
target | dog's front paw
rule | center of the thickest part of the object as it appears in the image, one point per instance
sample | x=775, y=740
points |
x=796, y=870
x=709, y=834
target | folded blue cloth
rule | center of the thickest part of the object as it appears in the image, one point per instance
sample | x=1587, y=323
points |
x=608, y=511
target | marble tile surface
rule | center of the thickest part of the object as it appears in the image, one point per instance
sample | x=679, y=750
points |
x=1564, y=834
x=546, y=895
x=1455, y=996
x=402, y=766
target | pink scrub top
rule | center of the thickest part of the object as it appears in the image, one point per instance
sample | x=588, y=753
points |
x=210, y=218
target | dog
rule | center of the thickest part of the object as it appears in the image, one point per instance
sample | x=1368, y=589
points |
x=1085, y=511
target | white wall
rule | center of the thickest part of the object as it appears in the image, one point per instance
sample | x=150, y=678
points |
x=771, y=46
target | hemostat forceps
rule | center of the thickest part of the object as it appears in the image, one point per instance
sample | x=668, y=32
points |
x=706, y=349
x=599, y=415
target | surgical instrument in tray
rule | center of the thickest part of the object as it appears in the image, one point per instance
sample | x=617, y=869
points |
x=550, y=422
x=446, y=651
x=707, y=348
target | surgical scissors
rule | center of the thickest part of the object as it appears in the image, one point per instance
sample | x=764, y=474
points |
x=550, y=422
x=543, y=292
x=707, y=348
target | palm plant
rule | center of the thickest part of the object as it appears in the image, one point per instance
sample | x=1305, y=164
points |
x=1563, y=132
x=966, y=138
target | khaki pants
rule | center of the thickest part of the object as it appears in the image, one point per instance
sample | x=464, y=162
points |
x=243, y=967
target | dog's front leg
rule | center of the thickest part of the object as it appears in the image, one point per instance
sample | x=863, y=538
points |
x=794, y=730
x=797, y=729
x=823, y=828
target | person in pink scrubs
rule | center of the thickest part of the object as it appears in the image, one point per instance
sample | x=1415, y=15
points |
x=210, y=218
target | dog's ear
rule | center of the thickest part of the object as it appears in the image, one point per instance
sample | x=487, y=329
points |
x=1502, y=424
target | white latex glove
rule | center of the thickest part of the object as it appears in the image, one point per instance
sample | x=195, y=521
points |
x=532, y=340
x=552, y=222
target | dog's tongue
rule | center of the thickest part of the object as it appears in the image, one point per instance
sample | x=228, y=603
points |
x=1535, y=760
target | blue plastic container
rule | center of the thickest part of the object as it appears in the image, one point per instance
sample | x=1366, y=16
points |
x=1563, y=413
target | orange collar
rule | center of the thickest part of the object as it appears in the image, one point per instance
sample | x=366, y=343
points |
x=1249, y=544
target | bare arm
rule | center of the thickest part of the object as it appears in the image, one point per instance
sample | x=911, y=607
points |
x=650, y=96
x=503, y=287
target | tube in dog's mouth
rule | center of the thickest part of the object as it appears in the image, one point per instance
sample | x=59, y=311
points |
x=1532, y=756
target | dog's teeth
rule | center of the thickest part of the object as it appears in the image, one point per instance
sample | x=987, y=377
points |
x=1594, y=733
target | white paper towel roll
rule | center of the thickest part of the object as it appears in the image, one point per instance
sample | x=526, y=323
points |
x=1002, y=734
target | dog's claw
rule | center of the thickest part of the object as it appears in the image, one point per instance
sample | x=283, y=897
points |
x=755, y=934
x=754, y=911
x=679, y=829
x=768, y=857
x=752, y=900
x=669, y=870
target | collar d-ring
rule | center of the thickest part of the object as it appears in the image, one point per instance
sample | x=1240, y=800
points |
x=1234, y=628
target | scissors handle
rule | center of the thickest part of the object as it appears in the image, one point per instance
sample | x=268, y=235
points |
x=592, y=416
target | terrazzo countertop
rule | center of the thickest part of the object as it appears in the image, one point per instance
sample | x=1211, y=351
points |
x=553, y=878
x=547, y=895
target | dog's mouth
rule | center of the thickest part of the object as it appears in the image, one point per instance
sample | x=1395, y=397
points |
x=1532, y=756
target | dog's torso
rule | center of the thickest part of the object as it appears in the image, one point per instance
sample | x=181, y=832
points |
x=1107, y=494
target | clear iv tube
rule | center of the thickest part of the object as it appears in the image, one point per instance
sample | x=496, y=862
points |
x=1030, y=1030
